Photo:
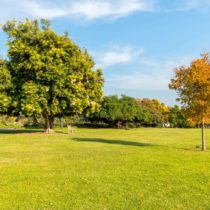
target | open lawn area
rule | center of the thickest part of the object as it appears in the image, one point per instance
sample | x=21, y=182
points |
x=104, y=169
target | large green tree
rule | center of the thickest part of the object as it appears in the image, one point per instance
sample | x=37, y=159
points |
x=51, y=75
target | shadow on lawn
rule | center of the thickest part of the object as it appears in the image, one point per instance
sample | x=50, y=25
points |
x=117, y=142
x=19, y=131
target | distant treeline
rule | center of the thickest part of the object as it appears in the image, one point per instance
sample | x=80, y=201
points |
x=116, y=112
x=128, y=112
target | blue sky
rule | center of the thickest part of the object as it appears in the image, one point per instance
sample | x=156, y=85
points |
x=137, y=43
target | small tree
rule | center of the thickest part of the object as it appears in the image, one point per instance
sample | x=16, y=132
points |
x=193, y=86
x=51, y=75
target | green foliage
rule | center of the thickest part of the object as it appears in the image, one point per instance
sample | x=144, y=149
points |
x=51, y=75
x=129, y=112
x=156, y=112
x=176, y=118
x=119, y=112
x=5, y=85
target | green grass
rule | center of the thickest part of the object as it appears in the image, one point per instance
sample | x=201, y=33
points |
x=104, y=169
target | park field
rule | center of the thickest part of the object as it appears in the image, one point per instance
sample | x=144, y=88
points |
x=93, y=169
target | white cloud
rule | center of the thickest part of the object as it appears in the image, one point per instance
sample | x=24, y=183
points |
x=138, y=81
x=152, y=75
x=116, y=55
x=93, y=9
x=37, y=10
x=79, y=9
x=202, y=5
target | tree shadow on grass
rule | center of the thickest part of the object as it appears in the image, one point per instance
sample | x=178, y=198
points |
x=19, y=131
x=117, y=142
x=61, y=132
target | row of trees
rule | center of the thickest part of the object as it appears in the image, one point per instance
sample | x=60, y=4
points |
x=116, y=112
x=126, y=111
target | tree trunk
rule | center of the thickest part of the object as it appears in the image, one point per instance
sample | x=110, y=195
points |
x=49, y=120
x=61, y=122
x=203, y=136
x=35, y=120
x=2, y=118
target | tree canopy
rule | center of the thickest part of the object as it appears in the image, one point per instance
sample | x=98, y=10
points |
x=176, y=118
x=127, y=111
x=51, y=75
x=157, y=112
x=119, y=111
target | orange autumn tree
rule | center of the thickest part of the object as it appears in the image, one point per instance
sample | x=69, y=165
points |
x=193, y=86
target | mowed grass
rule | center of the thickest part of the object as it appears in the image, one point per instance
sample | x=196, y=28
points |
x=104, y=169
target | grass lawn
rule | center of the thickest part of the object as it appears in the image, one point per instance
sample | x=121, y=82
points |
x=104, y=169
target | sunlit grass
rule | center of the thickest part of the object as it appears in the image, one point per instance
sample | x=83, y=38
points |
x=104, y=169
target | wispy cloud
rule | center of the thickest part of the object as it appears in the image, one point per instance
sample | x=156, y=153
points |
x=152, y=75
x=73, y=9
x=40, y=10
x=116, y=55
x=138, y=81
x=89, y=10
x=201, y=5
x=93, y=9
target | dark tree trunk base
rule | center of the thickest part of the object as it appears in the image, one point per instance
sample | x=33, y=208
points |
x=49, y=120
x=49, y=131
